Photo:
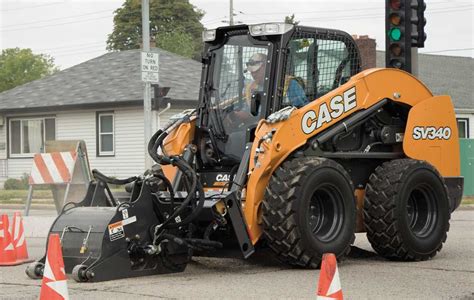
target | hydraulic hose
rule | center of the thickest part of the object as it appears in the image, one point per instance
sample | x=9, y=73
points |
x=169, y=186
x=188, y=172
x=100, y=176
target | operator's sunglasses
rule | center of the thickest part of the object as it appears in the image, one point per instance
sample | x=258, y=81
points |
x=253, y=63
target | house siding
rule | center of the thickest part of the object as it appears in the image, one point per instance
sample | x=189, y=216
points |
x=73, y=125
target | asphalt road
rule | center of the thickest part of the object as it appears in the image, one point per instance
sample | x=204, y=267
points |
x=364, y=275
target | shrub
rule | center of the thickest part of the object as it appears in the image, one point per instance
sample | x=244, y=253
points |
x=17, y=184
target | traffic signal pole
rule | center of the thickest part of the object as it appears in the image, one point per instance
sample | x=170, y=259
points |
x=414, y=61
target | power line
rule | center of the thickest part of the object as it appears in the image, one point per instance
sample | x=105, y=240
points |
x=447, y=50
x=28, y=7
x=62, y=18
x=79, y=53
x=355, y=16
x=335, y=10
x=50, y=25
x=88, y=48
x=71, y=46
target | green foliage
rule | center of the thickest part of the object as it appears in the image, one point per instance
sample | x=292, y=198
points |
x=19, y=66
x=14, y=184
x=291, y=20
x=177, y=22
x=17, y=184
x=178, y=42
x=19, y=196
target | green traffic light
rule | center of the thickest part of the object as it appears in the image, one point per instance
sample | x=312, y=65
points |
x=395, y=34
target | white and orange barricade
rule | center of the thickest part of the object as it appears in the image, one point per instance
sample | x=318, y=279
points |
x=51, y=168
x=64, y=167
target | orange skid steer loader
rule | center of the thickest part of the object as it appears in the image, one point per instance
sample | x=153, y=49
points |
x=291, y=147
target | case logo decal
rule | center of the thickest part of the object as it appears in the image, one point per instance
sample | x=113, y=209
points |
x=338, y=105
x=222, y=177
x=431, y=133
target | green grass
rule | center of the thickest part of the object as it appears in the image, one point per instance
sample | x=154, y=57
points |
x=468, y=200
x=19, y=196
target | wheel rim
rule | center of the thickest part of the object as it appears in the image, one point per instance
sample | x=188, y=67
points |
x=325, y=212
x=421, y=210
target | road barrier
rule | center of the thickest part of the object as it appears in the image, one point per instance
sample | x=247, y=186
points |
x=54, y=283
x=64, y=168
x=13, y=249
x=329, y=286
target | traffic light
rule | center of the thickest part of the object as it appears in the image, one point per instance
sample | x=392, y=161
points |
x=398, y=39
x=418, y=21
x=159, y=99
x=405, y=26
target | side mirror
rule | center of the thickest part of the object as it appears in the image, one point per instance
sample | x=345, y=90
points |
x=255, y=103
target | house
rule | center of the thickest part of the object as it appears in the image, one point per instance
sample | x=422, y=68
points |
x=448, y=75
x=99, y=101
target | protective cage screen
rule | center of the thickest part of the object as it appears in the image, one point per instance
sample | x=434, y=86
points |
x=318, y=64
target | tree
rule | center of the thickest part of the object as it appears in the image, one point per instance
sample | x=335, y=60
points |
x=176, y=22
x=178, y=42
x=291, y=20
x=19, y=66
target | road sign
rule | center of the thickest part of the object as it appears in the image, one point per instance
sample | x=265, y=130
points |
x=150, y=67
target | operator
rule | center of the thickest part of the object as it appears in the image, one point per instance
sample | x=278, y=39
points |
x=292, y=91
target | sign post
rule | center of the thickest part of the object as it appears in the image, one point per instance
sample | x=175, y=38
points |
x=149, y=74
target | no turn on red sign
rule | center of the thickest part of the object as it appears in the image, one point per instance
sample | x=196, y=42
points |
x=150, y=67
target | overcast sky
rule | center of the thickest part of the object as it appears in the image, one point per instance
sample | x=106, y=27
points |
x=73, y=31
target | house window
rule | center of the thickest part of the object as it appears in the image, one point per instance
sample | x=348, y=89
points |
x=105, y=134
x=463, y=128
x=28, y=135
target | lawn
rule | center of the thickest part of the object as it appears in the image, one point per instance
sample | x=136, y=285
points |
x=19, y=196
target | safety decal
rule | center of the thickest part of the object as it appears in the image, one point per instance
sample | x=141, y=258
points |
x=431, y=133
x=125, y=213
x=338, y=105
x=116, y=230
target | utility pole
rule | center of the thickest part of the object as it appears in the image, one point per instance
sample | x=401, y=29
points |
x=146, y=91
x=231, y=12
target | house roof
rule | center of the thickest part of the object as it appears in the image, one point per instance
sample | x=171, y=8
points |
x=113, y=78
x=445, y=75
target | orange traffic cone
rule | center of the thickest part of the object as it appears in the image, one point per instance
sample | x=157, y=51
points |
x=329, y=286
x=7, y=250
x=54, y=284
x=19, y=241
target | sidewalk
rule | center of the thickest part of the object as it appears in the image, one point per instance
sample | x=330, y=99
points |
x=38, y=223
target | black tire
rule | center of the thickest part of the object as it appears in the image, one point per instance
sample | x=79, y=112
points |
x=406, y=210
x=308, y=210
x=35, y=270
x=79, y=273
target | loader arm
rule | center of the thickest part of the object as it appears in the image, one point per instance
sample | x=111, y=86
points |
x=363, y=91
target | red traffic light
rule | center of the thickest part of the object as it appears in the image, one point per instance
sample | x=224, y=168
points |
x=395, y=4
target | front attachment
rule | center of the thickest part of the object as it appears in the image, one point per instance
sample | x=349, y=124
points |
x=105, y=243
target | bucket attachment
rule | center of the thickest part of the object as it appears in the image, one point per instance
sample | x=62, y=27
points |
x=105, y=243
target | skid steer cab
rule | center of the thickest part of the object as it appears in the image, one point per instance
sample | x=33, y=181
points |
x=290, y=147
